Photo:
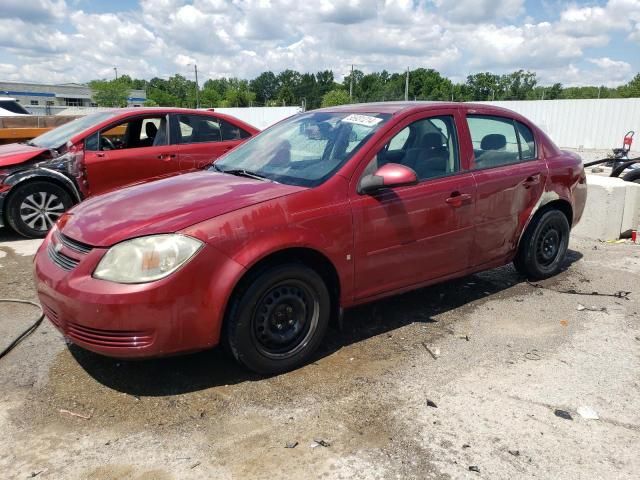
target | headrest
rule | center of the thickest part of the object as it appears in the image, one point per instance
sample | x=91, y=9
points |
x=431, y=140
x=493, y=141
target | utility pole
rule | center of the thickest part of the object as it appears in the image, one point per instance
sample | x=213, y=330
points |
x=406, y=87
x=195, y=67
x=351, y=84
x=115, y=69
x=599, y=92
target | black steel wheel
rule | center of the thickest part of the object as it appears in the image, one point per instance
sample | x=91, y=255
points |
x=34, y=207
x=278, y=318
x=543, y=246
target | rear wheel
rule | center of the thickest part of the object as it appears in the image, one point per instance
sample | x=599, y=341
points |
x=34, y=207
x=543, y=246
x=632, y=176
x=278, y=319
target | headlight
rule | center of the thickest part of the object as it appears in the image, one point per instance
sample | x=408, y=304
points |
x=146, y=259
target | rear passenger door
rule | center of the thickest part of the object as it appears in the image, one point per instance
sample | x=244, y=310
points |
x=203, y=138
x=510, y=179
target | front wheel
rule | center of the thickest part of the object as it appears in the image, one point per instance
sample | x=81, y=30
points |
x=632, y=176
x=34, y=207
x=278, y=319
x=543, y=246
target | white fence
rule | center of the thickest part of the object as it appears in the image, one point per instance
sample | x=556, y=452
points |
x=260, y=117
x=589, y=123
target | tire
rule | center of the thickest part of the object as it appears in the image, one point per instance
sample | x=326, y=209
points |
x=633, y=176
x=33, y=208
x=543, y=246
x=278, y=319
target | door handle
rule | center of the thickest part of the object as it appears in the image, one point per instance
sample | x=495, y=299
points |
x=532, y=180
x=100, y=155
x=458, y=199
x=166, y=156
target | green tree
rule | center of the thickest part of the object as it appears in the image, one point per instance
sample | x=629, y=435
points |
x=109, y=93
x=265, y=86
x=631, y=89
x=335, y=97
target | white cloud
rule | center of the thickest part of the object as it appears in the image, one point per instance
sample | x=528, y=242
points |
x=33, y=11
x=473, y=11
x=244, y=37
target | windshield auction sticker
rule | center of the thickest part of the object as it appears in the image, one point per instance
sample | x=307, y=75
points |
x=366, y=120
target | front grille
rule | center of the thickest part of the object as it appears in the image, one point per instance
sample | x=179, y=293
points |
x=63, y=261
x=109, y=338
x=73, y=245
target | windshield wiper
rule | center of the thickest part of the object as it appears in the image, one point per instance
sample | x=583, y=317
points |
x=241, y=172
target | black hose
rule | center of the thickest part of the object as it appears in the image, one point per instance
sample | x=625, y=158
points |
x=28, y=331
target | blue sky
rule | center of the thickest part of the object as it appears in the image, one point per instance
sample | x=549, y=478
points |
x=575, y=43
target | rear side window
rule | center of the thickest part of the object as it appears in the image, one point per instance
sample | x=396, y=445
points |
x=198, y=129
x=500, y=141
x=230, y=131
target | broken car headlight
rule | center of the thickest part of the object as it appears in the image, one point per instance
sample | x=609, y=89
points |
x=146, y=259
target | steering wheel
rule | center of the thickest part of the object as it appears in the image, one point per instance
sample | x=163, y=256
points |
x=106, y=144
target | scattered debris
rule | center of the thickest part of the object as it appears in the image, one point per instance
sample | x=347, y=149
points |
x=619, y=294
x=74, y=414
x=194, y=465
x=563, y=414
x=291, y=445
x=435, y=353
x=581, y=308
x=564, y=323
x=474, y=468
x=465, y=337
x=515, y=453
x=532, y=355
x=320, y=443
x=466, y=445
x=588, y=413
x=35, y=474
x=431, y=404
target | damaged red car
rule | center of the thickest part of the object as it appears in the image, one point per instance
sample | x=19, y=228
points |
x=42, y=178
x=323, y=211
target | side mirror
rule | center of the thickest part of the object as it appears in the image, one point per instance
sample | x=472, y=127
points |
x=387, y=176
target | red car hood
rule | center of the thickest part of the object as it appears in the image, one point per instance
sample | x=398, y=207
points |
x=165, y=206
x=15, y=153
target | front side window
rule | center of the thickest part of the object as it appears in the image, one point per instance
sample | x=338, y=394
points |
x=133, y=133
x=496, y=141
x=428, y=146
x=306, y=149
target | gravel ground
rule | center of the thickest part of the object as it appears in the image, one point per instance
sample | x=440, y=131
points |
x=424, y=385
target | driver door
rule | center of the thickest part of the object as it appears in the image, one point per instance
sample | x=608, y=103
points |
x=408, y=235
x=129, y=152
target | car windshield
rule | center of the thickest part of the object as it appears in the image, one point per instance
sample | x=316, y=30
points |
x=57, y=137
x=304, y=150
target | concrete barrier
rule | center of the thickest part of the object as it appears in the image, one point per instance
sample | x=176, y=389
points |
x=612, y=209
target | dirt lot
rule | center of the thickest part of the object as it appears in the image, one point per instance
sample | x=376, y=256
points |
x=509, y=356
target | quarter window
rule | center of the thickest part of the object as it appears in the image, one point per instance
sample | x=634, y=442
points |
x=428, y=146
x=499, y=141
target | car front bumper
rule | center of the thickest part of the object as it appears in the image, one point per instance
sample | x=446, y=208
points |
x=180, y=313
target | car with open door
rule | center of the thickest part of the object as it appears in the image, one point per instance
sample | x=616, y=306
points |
x=320, y=212
x=42, y=178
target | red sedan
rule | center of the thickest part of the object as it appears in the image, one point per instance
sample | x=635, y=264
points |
x=42, y=178
x=323, y=211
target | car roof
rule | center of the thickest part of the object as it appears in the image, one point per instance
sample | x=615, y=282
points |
x=415, y=107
